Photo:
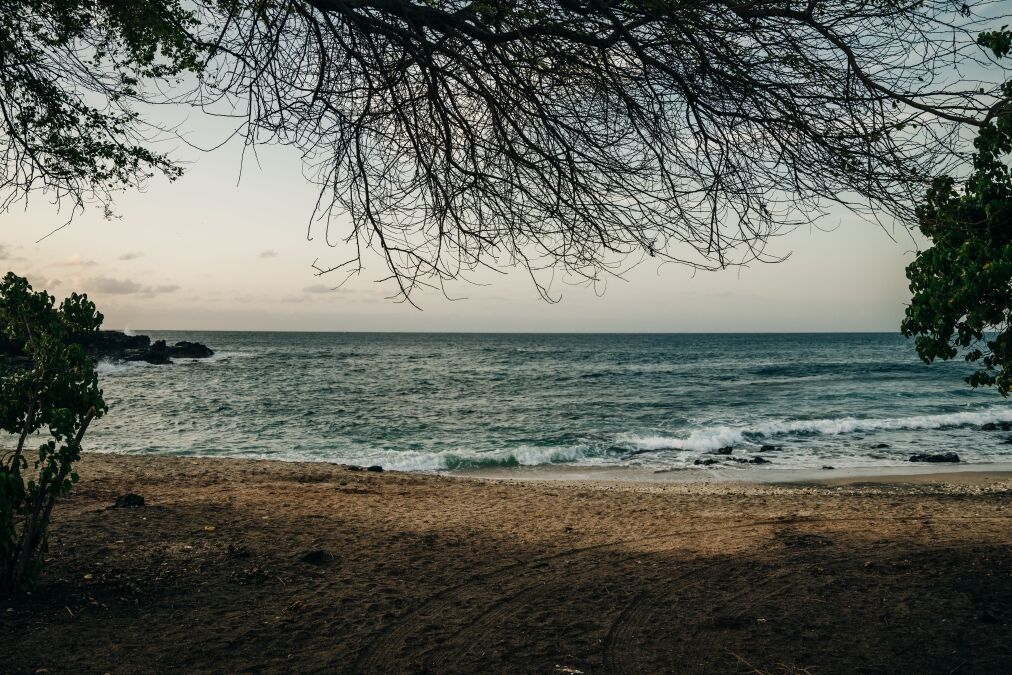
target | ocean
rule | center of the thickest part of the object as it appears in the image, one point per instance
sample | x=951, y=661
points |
x=446, y=402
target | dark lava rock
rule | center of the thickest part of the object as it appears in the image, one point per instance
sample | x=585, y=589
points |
x=770, y=448
x=707, y=462
x=996, y=426
x=157, y=353
x=190, y=350
x=828, y=467
x=316, y=557
x=353, y=467
x=759, y=460
x=881, y=446
x=374, y=467
x=129, y=500
x=113, y=342
x=940, y=457
x=726, y=450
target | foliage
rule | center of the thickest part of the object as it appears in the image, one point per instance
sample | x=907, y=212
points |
x=48, y=385
x=962, y=284
x=70, y=73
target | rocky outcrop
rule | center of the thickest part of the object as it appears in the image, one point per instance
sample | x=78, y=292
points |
x=939, y=457
x=114, y=345
x=118, y=346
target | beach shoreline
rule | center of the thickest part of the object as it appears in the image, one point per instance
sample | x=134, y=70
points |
x=243, y=565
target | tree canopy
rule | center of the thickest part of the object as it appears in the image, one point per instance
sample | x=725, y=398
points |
x=962, y=283
x=573, y=136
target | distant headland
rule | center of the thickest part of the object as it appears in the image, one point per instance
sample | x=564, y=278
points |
x=119, y=346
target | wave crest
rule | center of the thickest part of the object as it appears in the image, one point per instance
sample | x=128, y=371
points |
x=711, y=438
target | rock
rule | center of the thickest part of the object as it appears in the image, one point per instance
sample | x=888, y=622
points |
x=353, y=467
x=996, y=426
x=374, y=467
x=726, y=450
x=759, y=460
x=190, y=350
x=157, y=353
x=706, y=462
x=828, y=467
x=129, y=500
x=770, y=448
x=113, y=342
x=316, y=557
x=880, y=446
x=940, y=457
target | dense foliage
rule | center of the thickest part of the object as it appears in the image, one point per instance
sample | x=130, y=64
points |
x=48, y=385
x=962, y=284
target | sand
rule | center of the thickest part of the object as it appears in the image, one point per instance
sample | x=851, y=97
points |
x=240, y=565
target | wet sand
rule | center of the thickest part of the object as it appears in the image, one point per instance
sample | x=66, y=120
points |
x=239, y=565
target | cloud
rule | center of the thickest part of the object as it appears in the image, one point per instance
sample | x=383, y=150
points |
x=131, y=255
x=125, y=287
x=77, y=260
x=318, y=288
x=269, y=254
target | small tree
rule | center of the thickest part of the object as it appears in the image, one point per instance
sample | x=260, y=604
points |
x=48, y=385
x=962, y=284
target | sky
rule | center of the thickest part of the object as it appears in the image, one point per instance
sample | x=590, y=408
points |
x=212, y=251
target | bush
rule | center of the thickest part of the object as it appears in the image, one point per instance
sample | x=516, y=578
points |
x=48, y=391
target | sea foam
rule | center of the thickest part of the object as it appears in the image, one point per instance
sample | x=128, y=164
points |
x=713, y=437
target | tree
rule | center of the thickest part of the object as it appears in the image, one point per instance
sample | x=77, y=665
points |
x=962, y=283
x=71, y=72
x=49, y=385
x=572, y=136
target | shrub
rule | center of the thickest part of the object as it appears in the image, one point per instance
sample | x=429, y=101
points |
x=49, y=393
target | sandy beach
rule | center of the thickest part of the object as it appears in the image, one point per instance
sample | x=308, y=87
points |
x=242, y=565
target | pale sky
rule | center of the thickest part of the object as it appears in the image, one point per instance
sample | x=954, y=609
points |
x=211, y=252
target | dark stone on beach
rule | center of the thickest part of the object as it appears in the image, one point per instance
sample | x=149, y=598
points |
x=940, y=457
x=353, y=467
x=770, y=448
x=190, y=350
x=706, y=462
x=828, y=467
x=759, y=460
x=726, y=450
x=996, y=426
x=880, y=446
x=316, y=557
x=129, y=500
x=374, y=467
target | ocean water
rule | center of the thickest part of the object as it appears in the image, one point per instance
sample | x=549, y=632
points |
x=438, y=402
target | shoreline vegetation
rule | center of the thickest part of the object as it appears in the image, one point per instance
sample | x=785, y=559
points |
x=287, y=566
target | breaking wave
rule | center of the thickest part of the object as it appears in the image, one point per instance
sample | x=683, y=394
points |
x=711, y=438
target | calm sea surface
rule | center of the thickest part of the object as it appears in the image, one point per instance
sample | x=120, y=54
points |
x=443, y=401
